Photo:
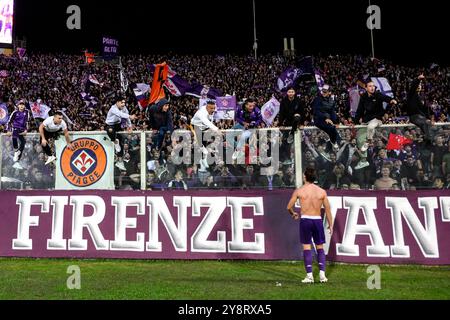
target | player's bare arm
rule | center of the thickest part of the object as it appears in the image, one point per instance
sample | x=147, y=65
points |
x=326, y=204
x=291, y=206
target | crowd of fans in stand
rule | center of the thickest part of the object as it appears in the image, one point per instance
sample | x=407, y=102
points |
x=59, y=81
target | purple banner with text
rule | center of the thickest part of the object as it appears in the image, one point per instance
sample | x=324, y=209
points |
x=375, y=228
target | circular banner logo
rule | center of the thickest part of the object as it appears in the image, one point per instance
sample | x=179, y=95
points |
x=86, y=164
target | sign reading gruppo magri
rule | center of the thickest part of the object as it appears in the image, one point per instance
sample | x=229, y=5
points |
x=90, y=165
x=373, y=228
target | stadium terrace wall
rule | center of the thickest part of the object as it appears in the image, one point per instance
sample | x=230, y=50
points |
x=374, y=228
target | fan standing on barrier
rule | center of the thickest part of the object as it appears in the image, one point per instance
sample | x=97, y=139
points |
x=51, y=129
x=325, y=118
x=312, y=198
x=18, y=128
x=416, y=109
x=202, y=122
x=117, y=115
x=370, y=111
x=292, y=112
x=248, y=118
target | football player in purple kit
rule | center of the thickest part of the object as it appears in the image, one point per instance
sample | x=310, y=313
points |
x=312, y=198
x=18, y=128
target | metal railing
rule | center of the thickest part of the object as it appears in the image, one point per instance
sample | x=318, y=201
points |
x=298, y=152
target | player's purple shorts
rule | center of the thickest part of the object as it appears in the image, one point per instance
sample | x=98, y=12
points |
x=312, y=229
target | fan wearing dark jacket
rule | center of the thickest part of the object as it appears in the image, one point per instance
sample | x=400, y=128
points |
x=370, y=110
x=292, y=111
x=325, y=118
x=417, y=111
x=161, y=121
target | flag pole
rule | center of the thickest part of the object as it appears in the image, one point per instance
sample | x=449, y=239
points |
x=255, y=45
x=371, y=36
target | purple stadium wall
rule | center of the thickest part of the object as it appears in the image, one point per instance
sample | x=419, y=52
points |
x=373, y=228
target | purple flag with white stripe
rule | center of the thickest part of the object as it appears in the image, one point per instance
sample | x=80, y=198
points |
x=289, y=77
x=205, y=92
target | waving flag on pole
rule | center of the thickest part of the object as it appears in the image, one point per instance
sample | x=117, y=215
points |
x=159, y=79
x=142, y=93
x=385, y=88
x=204, y=92
x=176, y=85
x=93, y=79
x=89, y=101
x=290, y=76
x=319, y=80
x=123, y=81
x=40, y=110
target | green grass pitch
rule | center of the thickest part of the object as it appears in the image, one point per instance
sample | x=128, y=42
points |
x=212, y=280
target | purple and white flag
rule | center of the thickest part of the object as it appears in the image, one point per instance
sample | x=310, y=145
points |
x=288, y=78
x=142, y=93
x=204, y=92
x=292, y=74
x=89, y=100
x=177, y=86
x=270, y=111
x=39, y=110
x=93, y=79
x=383, y=85
x=226, y=108
x=123, y=81
x=319, y=80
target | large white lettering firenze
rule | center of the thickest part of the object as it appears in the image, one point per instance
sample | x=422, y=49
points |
x=158, y=211
x=223, y=225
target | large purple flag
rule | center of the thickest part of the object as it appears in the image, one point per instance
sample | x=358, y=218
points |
x=177, y=86
x=201, y=91
x=289, y=77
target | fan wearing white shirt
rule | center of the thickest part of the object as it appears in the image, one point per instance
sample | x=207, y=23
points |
x=202, y=122
x=116, y=115
x=51, y=129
